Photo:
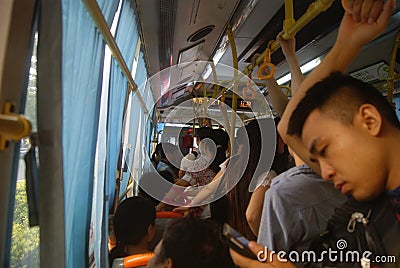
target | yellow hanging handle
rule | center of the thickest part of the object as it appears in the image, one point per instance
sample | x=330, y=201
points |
x=267, y=69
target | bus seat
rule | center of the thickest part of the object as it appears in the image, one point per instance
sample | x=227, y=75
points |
x=137, y=260
x=168, y=215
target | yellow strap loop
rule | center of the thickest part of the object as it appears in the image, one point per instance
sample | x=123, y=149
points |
x=267, y=69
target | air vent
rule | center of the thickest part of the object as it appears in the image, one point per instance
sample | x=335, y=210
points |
x=199, y=34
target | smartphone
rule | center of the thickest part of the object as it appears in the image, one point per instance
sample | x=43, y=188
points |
x=237, y=242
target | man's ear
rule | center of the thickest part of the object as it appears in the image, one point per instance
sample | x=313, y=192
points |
x=169, y=263
x=371, y=119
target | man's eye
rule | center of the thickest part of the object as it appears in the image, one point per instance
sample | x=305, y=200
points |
x=323, y=151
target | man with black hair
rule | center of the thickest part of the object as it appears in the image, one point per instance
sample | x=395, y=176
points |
x=134, y=227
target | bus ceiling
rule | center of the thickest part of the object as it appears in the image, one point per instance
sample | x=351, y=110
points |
x=181, y=31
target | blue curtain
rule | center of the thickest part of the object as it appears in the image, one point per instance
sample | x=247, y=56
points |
x=82, y=64
x=134, y=160
x=126, y=38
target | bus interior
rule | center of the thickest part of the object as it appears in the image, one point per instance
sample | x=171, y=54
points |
x=88, y=88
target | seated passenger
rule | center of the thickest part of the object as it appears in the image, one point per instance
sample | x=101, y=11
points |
x=191, y=242
x=146, y=182
x=167, y=156
x=204, y=168
x=186, y=163
x=238, y=170
x=134, y=226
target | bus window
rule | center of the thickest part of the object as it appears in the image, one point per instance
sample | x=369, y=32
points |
x=25, y=239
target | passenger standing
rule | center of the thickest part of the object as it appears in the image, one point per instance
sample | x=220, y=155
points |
x=299, y=202
x=187, y=142
x=346, y=129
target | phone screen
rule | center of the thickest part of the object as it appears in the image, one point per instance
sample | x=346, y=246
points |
x=237, y=242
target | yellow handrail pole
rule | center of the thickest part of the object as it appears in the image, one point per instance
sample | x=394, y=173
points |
x=205, y=98
x=222, y=106
x=289, y=17
x=386, y=85
x=391, y=67
x=313, y=10
x=101, y=24
x=235, y=75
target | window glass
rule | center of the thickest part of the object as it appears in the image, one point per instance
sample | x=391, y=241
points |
x=25, y=239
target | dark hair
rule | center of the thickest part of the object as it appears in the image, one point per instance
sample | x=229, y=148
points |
x=239, y=196
x=340, y=96
x=203, y=132
x=170, y=155
x=282, y=161
x=221, y=140
x=193, y=242
x=145, y=182
x=131, y=221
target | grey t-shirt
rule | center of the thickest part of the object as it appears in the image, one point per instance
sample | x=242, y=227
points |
x=296, y=208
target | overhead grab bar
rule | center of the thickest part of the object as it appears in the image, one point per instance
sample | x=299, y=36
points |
x=292, y=27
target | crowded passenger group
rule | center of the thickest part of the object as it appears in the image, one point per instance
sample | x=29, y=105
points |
x=336, y=154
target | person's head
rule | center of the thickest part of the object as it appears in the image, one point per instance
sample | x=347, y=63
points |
x=201, y=133
x=347, y=126
x=222, y=138
x=191, y=242
x=169, y=153
x=134, y=221
x=215, y=143
x=186, y=164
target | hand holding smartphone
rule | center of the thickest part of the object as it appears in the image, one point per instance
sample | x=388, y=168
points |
x=237, y=242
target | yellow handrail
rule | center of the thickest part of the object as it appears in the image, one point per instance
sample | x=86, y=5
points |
x=291, y=29
x=12, y=126
x=235, y=83
x=98, y=18
x=289, y=17
x=391, y=67
x=313, y=10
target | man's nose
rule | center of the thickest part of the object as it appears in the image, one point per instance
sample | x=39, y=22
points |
x=327, y=171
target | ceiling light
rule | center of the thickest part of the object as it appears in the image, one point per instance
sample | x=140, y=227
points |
x=305, y=68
